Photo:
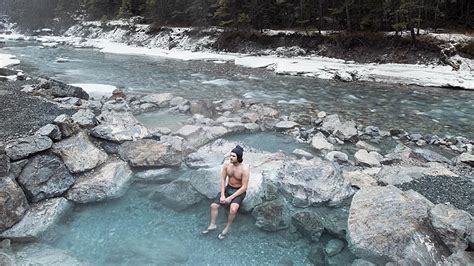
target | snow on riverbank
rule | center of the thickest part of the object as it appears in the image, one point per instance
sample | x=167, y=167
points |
x=8, y=60
x=96, y=90
x=186, y=48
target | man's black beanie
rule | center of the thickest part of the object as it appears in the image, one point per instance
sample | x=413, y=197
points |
x=239, y=151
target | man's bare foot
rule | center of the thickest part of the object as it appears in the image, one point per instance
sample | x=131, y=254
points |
x=223, y=234
x=209, y=229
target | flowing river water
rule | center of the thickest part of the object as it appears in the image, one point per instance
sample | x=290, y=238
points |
x=136, y=229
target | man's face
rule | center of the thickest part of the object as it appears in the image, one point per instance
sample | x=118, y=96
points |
x=233, y=157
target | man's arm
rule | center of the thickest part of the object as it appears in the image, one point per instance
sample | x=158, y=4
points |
x=245, y=184
x=223, y=177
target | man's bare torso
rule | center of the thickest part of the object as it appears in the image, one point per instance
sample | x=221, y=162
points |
x=235, y=174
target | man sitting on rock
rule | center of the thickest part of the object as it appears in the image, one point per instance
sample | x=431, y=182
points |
x=236, y=175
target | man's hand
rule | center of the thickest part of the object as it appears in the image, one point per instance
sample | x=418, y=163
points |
x=223, y=199
x=228, y=200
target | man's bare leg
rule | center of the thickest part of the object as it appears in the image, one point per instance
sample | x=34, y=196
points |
x=234, y=207
x=214, y=213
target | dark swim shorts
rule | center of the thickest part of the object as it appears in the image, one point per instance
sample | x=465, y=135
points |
x=229, y=190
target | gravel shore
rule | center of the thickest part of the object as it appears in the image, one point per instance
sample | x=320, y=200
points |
x=22, y=114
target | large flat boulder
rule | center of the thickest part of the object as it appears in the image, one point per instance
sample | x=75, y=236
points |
x=312, y=182
x=119, y=126
x=387, y=223
x=25, y=147
x=111, y=180
x=13, y=203
x=45, y=176
x=79, y=153
x=38, y=219
x=150, y=153
x=399, y=174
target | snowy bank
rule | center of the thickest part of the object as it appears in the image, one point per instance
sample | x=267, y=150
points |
x=96, y=90
x=8, y=60
x=179, y=43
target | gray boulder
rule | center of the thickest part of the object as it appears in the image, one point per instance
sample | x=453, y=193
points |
x=45, y=176
x=159, y=99
x=59, y=89
x=302, y=154
x=346, y=131
x=460, y=258
x=42, y=254
x=6, y=259
x=51, y=131
x=109, y=181
x=79, y=153
x=385, y=222
x=25, y=147
x=263, y=111
x=366, y=146
x=177, y=195
x=308, y=224
x=38, y=219
x=13, y=203
x=465, y=158
x=429, y=156
x=85, y=118
x=285, y=125
x=319, y=142
x=66, y=125
x=4, y=165
x=150, y=153
x=119, y=127
x=360, y=179
x=337, y=156
x=271, y=215
x=365, y=158
x=330, y=124
x=333, y=247
x=312, y=182
x=453, y=226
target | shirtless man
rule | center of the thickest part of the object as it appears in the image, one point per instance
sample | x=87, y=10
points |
x=237, y=174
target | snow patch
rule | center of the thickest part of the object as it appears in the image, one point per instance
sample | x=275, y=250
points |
x=8, y=60
x=96, y=90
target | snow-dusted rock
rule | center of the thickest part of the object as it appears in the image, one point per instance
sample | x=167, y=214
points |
x=330, y=123
x=79, y=153
x=38, y=219
x=302, y=154
x=337, y=156
x=42, y=254
x=346, y=131
x=285, y=125
x=111, y=180
x=160, y=99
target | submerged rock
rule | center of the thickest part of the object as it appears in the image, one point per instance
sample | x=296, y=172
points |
x=177, y=195
x=42, y=254
x=308, y=224
x=333, y=247
x=109, y=181
x=271, y=216
x=38, y=219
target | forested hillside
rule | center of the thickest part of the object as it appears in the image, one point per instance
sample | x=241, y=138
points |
x=349, y=15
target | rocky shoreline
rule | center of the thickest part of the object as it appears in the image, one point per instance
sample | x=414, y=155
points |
x=88, y=150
